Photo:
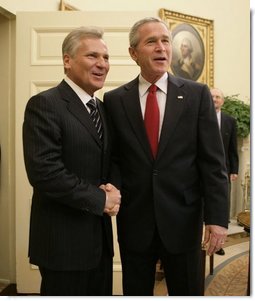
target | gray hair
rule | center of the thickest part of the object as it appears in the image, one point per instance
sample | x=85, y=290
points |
x=134, y=37
x=220, y=91
x=72, y=40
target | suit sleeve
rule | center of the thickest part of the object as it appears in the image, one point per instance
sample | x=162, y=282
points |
x=211, y=162
x=233, y=152
x=47, y=173
x=114, y=174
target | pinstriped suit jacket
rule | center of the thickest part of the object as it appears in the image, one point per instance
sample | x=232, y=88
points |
x=65, y=163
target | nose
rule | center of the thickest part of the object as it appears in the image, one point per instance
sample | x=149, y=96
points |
x=160, y=45
x=102, y=62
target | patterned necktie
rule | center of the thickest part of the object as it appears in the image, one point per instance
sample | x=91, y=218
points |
x=151, y=119
x=94, y=114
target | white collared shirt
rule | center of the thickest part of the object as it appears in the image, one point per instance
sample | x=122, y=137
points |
x=84, y=96
x=219, y=118
x=161, y=95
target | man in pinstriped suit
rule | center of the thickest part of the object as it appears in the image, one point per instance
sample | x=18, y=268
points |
x=67, y=165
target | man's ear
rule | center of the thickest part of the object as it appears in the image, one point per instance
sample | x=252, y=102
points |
x=132, y=53
x=66, y=61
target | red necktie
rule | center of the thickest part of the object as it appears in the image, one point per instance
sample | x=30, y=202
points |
x=151, y=119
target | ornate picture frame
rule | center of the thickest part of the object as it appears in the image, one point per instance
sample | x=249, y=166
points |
x=63, y=6
x=193, y=51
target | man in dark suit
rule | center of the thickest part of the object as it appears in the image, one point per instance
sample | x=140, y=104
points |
x=67, y=158
x=166, y=196
x=228, y=129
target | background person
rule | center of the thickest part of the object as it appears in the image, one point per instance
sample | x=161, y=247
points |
x=67, y=163
x=166, y=197
x=228, y=129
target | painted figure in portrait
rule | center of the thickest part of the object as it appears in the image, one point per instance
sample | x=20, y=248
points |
x=188, y=52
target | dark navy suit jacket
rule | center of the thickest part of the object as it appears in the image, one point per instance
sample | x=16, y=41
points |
x=229, y=137
x=186, y=184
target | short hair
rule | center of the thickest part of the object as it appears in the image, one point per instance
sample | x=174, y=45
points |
x=133, y=34
x=72, y=40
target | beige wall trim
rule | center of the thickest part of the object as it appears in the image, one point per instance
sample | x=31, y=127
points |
x=6, y=13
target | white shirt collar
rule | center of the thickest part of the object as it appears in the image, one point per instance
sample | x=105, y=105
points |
x=144, y=84
x=84, y=96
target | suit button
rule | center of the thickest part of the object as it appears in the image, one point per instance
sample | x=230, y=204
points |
x=155, y=172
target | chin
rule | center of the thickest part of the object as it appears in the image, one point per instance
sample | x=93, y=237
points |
x=161, y=69
x=98, y=85
x=160, y=73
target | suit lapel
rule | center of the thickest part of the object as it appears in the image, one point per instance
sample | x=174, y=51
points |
x=76, y=107
x=175, y=102
x=131, y=105
x=176, y=98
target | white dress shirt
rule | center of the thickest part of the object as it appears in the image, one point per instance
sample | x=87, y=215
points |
x=219, y=118
x=84, y=96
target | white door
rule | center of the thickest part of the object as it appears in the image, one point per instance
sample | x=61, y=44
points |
x=39, y=67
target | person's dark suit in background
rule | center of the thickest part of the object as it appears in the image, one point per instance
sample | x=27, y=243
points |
x=67, y=165
x=166, y=199
x=228, y=129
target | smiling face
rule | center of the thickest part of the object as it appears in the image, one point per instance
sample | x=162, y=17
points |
x=89, y=66
x=153, y=53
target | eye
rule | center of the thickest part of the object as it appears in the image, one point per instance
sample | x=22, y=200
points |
x=106, y=58
x=150, y=41
x=91, y=55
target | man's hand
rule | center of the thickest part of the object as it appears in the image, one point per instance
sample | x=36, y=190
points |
x=233, y=176
x=112, y=203
x=214, y=238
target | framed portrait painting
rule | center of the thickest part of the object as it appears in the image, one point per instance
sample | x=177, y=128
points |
x=193, y=56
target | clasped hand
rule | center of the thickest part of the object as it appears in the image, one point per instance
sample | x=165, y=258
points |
x=113, y=199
